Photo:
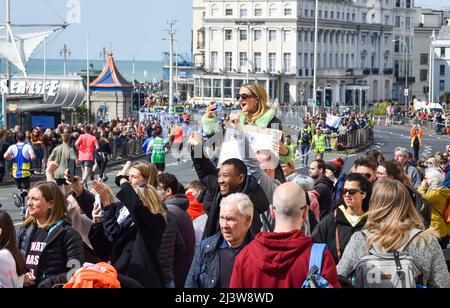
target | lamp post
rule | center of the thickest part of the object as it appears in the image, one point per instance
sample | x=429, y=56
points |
x=316, y=38
x=406, y=93
x=65, y=52
x=171, y=31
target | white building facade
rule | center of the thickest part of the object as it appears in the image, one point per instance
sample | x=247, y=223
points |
x=441, y=46
x=272, y=43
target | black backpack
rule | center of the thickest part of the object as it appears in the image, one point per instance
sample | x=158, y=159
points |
x=305, y=137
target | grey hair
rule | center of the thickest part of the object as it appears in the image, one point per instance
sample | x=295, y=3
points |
x=404, y=151
x=305, y=182
x=435, y=177
x=243, y=202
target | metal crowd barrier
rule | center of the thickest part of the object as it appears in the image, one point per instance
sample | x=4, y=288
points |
x=127, y=148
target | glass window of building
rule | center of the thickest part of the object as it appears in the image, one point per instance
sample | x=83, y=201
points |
x=443, y=52
x=243, y=12
x=272, y=62
x=243, y=35
x=242, y=59
x=386, y=20
x=306, y=13
x=408, y=22
x=228, y=35
x=228, y=88
x=423, y=59
x=287, y=63
x=397, y=21
x=257, y=63
x=441, y=85
x=287, y=11
x=215, y=60
x=237, y=86
x=442, y=70
x=207, y=87
x=272, y=11
x=217, y=88
x=228, y=61
x=364, y=17
x=338, y=15
x=423, y=75
x=214, y=10
x=258, y=12
x=287, y=94
x=258, y=35
x=286, y=35
x=229, y=12
x=214, y=35
x=326, y=14
x=272, y=35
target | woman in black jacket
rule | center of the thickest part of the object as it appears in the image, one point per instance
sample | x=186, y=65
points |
x=52, y=249
x=336, y=229
x=131, y=232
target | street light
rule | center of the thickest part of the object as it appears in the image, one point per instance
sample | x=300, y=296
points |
x=316, y=38
x=65, y=52
x=406, y=71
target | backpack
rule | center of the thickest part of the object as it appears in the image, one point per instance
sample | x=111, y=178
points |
x=305, y=138
x=388, y=270
x=315, y=280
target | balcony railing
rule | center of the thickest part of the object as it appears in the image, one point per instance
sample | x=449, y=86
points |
x=388, y=71
x=366, y=71
x=375, y=71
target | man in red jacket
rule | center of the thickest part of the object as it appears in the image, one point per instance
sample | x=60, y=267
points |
x=281, y=259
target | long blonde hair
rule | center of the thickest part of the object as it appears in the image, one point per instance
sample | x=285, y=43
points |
x=151, y=199
x=391, y=216
x=260, y=94
x=149, y=172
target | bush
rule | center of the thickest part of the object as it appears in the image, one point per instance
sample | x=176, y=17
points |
x=380, y=109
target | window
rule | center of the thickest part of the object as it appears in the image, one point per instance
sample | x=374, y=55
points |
x=228, y=61
x=443, y=52
x=348, y=17
x=386, y=62
x=386, y=20
x=217, y=88
x=228, y=88
x=258, y=35
x=229, y=12
x=312, y=13
x=387, y=40
x=286, y=35
x=331, y=15
x=408, y=4
x=426, y=90
x=243, y=12
x=237, y=86
x=442, y=70
x=287, y=63
x=300, y=36
x=397, y=21
x=408, y=22
x=396, y=45
x=272, y=62
x=228, y=35
x=215, y=61
x=299, y=60
x=423, y=59
x=272, y=11
x=287, y=11
x=214, y=35
x=353, y=17
x=258, y=12
x=207, y=87
x=320, y=13
x=363, y=39
x=272, y=35
x=338, y=15
x=364, y=17
x=214, y=10
x=287, y=95
x=257, y=63
x=397, y=3
x=423, y=75
x=441, y=85
x=306, y=12
x=326, y=14
x=242, y=59
x=353, y=39
x=347, y=64
x=363, y=61
x=347, y=39
x=243, y=35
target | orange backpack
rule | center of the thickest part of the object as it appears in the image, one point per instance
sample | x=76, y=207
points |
x=94, y=276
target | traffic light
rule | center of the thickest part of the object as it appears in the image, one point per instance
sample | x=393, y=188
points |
x=328, y=97
x=141, y=100
x=319, y=98
x=135, y=102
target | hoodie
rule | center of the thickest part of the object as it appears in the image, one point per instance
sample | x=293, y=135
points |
x=279, y=260
x=178, y=205
x=324, y=187
x=195, y=209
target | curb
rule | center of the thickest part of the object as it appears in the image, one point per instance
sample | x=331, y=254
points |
x=10, y=181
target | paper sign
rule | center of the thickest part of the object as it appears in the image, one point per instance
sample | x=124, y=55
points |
x=333, y=121
x=259, y=139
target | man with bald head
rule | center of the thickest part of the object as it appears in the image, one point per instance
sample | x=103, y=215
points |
x=281, y=259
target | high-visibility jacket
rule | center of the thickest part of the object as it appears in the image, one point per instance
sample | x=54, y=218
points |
x=415, y=135
x=320, y=145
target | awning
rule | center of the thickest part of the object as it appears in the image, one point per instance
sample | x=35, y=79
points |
x=41, y=107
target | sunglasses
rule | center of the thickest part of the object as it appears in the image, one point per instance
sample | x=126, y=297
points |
x=243, y=96
x=351, y=192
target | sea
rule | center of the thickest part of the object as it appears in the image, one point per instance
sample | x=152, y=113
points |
x=151, y=71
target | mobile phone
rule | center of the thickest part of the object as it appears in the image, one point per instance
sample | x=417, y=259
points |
x=72, y=167
x=98, y=199
x=219, y=106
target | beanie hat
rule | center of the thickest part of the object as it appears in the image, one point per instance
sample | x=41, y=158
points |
x=336, y=166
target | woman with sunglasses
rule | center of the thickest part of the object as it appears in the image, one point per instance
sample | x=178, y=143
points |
x=391, y=170
x=336, y=229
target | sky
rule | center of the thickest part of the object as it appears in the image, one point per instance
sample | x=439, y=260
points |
x=132, y=27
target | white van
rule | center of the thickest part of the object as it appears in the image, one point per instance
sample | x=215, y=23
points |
x=428, y=108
